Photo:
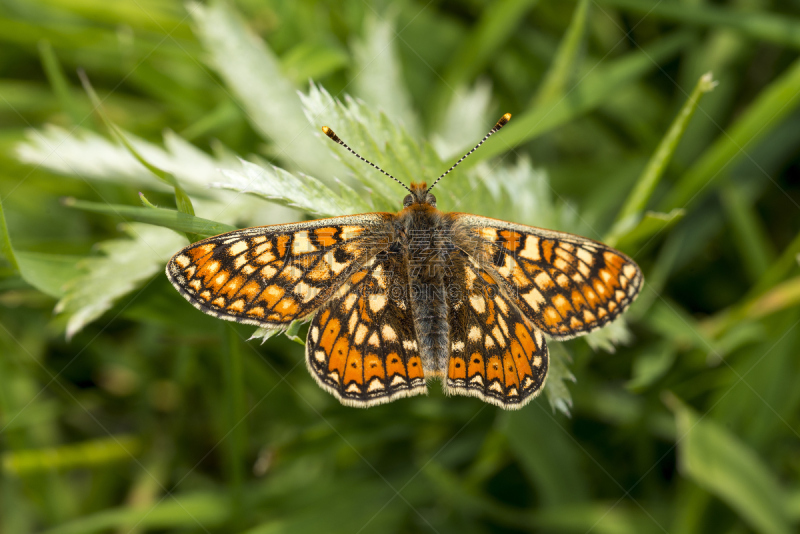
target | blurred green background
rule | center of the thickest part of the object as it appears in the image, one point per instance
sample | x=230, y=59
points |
x=123, y=409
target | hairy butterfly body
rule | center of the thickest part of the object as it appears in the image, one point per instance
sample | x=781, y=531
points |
x=398, y=299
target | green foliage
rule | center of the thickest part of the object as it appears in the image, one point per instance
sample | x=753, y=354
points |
x=127, y=410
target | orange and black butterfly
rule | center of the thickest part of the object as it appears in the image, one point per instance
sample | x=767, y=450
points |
x=400, y=298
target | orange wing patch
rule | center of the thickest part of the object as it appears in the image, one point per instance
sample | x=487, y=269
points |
x=272, y=275
x=495, y=353
x=362, y=346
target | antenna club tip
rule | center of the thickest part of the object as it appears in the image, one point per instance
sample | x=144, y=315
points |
x=330, y=133
x=503, y=121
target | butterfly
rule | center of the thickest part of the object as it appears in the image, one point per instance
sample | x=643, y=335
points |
x=398, y=299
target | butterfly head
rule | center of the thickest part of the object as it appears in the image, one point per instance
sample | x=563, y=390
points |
x=419, y=195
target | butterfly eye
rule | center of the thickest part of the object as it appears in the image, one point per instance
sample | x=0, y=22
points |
x=431, y=200
x=408, y=201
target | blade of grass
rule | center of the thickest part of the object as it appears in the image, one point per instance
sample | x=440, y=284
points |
x=649, y=225
x=637, y=199
x=784, y=295
x=225, y=114
x=175, y=220
x=565, y=62
x=59, y=83
x=182, y=200
x=92, y=453
x=6, y=249
x=722, y=321
x=761, y=25
x=495, y=26
x=146, y=203
x=235, y=394
x=588, y=94
x=779, y=269
x=206, y=510
x=773, y=104
x=749, y=236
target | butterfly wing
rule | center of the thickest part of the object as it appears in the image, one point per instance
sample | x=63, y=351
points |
x=566, y=284
x=272, y=275
x=361, y=345
x=495, y=353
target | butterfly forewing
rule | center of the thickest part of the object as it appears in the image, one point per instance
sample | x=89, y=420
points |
x=495, y=353
x=566, y=284
x=272, y=275
x=362, y=346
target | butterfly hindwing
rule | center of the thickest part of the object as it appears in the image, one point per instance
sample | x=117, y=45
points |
x=362, y=346
x=566, y=284
x=272, y=275
x=495, y=353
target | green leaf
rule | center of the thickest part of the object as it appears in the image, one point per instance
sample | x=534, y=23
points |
x=85, y=155
x=612, y=334
x=48, y=273
x=313, y=61
x=123, y=266
x=379, y=80
x=464, y=121
x=253, y=73
x=651, y=365
x=558, y=373
x=295, y=190
x=180, y=222
x=720, y=463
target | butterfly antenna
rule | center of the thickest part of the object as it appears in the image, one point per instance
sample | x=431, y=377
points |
x=502, y=122
x=330, y=133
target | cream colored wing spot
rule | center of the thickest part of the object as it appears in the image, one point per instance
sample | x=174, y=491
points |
x=531, y=250
x=478, y=303
x=534, y=298
x=388, y=333
x=237, y=248
x=585, y=256
x=377, y=302
x=182, y=260
x=301, y=244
